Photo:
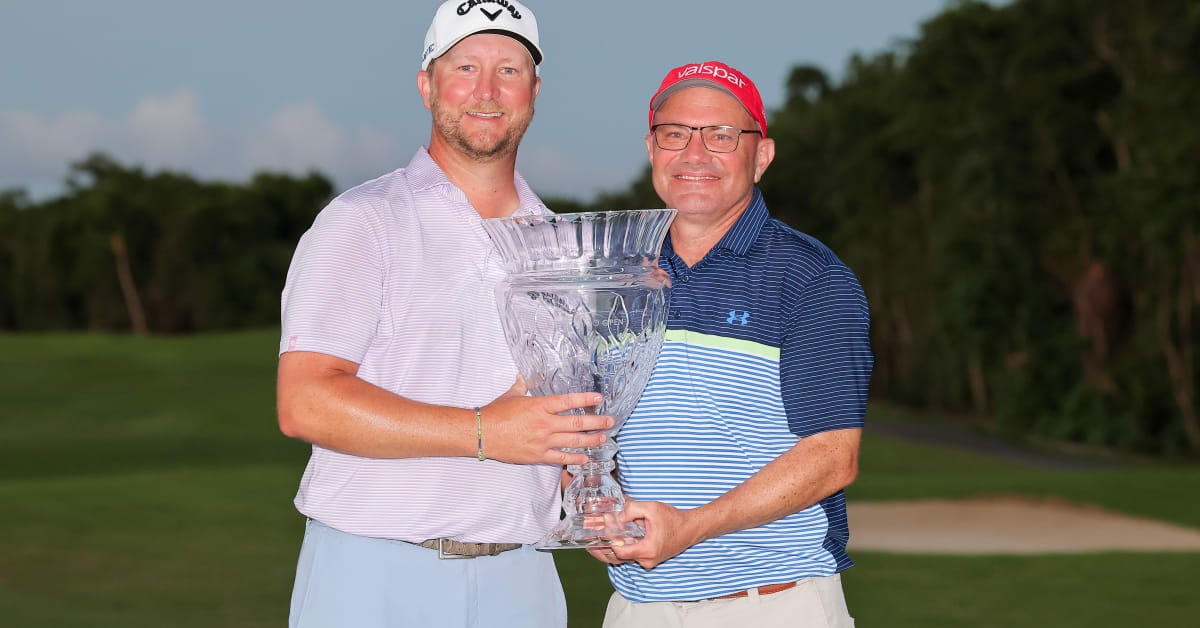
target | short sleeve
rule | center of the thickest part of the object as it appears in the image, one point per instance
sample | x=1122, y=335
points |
x=332, y=301
x=825, y=356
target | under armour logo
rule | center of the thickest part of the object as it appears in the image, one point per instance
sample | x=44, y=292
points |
x=735, y=317
x=491, y=16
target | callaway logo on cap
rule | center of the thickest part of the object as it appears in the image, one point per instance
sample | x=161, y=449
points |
x=457, y=19
x=715, y=75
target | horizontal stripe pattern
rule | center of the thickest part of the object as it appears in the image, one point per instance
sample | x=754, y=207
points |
x=398, y=276
x=826, y=361
x=767, y=343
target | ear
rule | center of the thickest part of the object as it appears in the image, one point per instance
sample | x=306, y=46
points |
x=424, y=86
x=650, y=146
x=537, y=87
x=763, y=156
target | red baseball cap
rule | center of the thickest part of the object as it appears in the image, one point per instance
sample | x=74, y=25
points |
x=715, y=75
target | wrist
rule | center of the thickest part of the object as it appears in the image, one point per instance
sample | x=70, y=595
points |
x=695, y=526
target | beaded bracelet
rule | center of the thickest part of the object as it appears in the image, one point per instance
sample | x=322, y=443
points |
x=479, y=434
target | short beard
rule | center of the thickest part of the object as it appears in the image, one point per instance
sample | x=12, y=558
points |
x=446, y=124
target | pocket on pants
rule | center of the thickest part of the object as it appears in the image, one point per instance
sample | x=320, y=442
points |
x=833, y=601
x=306, y=571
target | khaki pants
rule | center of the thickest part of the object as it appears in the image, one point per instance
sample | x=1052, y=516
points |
x=812, y=603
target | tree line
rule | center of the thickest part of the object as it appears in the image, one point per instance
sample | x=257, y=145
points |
x=1020, y=196
x=124, y=249
x=1018, y=190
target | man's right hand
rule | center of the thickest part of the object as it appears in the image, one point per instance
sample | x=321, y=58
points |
x=527, y=430
x=322, y=401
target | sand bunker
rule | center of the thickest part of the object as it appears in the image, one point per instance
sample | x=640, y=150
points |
x=1007, y=525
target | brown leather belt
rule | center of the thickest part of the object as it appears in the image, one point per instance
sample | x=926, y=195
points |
x=765, y=589
x=449, y=549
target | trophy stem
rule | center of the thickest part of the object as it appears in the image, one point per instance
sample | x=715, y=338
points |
x=593, y=502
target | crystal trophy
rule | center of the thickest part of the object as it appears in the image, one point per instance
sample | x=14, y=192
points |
x=584, y=309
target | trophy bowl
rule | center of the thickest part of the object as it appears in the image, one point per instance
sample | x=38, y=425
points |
x=584, y=309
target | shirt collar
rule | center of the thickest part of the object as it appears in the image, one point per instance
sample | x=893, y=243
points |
x=744, y=231
x=425, y=174
x=746, y=228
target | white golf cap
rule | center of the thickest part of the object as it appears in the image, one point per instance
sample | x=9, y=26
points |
x=457, y=19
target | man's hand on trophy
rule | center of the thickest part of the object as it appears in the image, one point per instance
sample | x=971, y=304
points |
x=529, y=430
x=669, y=531
x=611, y=527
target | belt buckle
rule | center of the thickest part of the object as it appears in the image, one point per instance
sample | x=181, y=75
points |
x=444, y=555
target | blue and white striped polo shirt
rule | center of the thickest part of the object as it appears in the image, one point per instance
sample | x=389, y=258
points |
x=767, y=342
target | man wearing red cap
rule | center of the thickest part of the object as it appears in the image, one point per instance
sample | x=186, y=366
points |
x=737, y=453
x=431, y=473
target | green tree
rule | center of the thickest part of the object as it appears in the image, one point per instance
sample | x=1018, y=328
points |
x=124, y=249
x=1017, y=190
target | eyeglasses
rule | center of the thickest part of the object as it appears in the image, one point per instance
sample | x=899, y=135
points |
x=718, y=139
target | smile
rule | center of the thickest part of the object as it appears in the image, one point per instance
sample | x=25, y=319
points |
x=476, y=114
x=689, y=178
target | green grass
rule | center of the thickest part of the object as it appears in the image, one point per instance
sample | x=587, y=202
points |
x=893, y=469
x=143, y=482
x=1075, y=591
x=1081, y=591
x=1116, y=589
x=84, y=404
x=183, y=547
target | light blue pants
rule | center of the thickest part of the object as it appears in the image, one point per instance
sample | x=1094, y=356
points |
x=343, y=580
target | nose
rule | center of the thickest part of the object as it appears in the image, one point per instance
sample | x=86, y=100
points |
x=485, y=87
x=696, y=151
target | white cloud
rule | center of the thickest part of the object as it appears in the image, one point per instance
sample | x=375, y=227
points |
x=172, y=132
x=296, y=138
x=299, y=138
x=31, y=146
x=166, y=131
x=551, y=172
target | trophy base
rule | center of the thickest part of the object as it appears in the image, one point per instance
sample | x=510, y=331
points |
x=573, y=532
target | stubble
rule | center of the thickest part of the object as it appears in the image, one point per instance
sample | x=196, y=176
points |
x=480, y=147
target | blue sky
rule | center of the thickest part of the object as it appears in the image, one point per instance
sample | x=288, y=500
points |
x=223, y=88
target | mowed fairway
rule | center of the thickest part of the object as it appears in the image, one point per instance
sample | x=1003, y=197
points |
x=143, y=482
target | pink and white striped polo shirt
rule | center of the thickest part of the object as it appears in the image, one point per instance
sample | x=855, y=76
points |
x=398, y=276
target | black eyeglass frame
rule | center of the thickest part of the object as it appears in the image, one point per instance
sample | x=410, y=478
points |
x=692, y=132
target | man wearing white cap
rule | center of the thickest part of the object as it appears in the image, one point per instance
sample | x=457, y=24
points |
x=431, y=471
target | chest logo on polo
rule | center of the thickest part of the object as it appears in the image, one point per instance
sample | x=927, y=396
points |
x=741, y=318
